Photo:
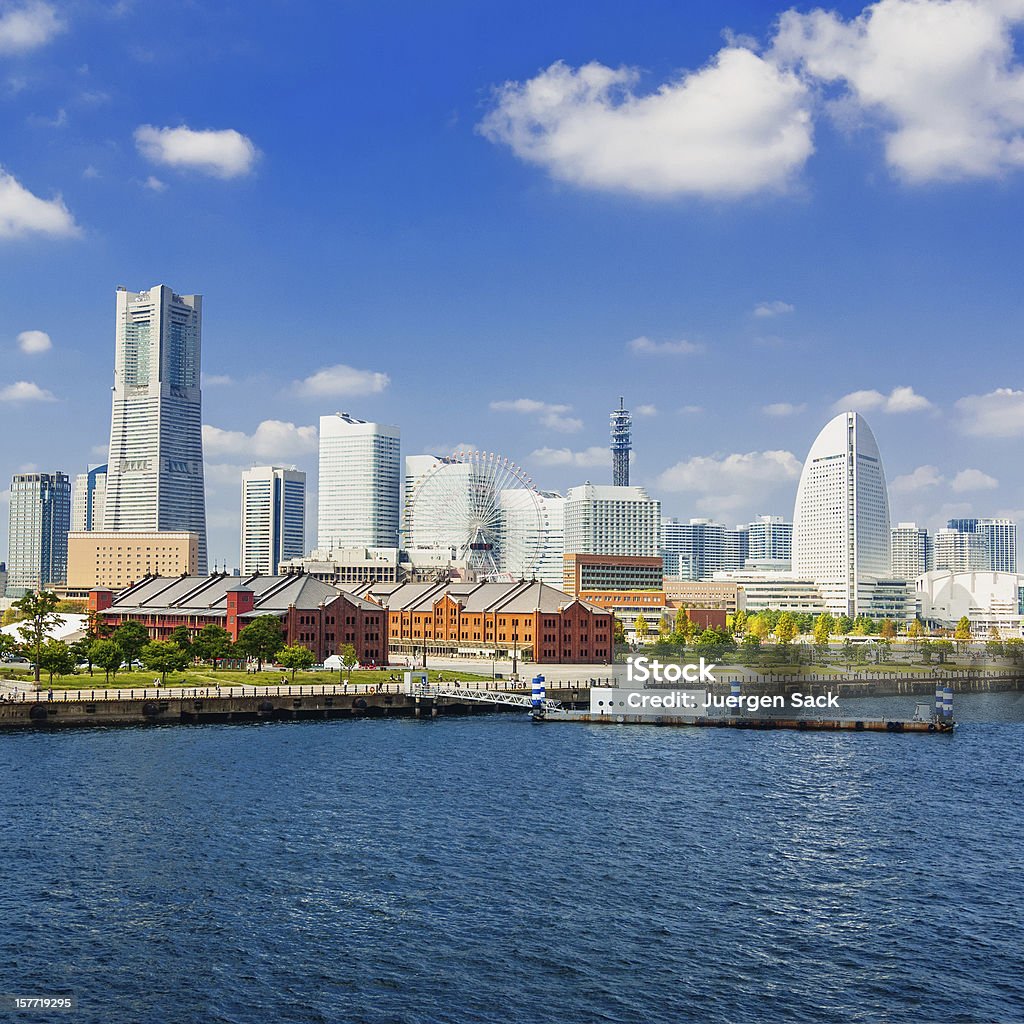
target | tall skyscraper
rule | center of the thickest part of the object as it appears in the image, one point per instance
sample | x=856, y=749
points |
x=602, y=520
x=622, y=445
x=40, y=517
x=87, y=499
x=273, y=518
x=155, y=468
x=998, y=539
x=360, y=480
x=961, y=551
x=912, y=554
x=771, y=540
x=698, y=548
x=841, y=535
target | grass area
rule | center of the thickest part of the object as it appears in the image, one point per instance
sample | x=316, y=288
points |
x=207, y=677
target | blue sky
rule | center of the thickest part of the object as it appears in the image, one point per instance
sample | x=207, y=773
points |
x=486, y=222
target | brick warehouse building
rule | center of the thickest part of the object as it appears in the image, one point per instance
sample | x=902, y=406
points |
x=312, y=613
x=485, y=620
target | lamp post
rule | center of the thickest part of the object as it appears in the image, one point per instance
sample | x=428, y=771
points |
x=515, y=653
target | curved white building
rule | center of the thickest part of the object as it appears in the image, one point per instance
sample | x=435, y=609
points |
x=841, y=534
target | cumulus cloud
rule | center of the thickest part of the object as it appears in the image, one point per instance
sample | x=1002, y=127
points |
x=941, y=79
x=549, y=414
x=731, y=481
x=223, y=153
x=920, y=479
x=900, y=399
x=22, y=213
x=25, y=391
x=646, y=347
x=973, y=480
x=341, y=381
x=272, y=439
x=646, y=410
x=587, y=458
x=775, y=308
x=27, y=27
x=1000, y=413
x=738, y=126
x=782, y=409
x=34, y=342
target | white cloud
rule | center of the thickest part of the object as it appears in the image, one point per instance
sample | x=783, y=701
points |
x=217, y=380
x=341, y=381
x=775, y=308
x=34, y=342
x=782, y=409
x=737, y=126
x=155, y=184
x=940, y=78
x=223, y=154
x=731, y=481
x=921, y=478
x=22, y=213
x=690, y=410
x=272, y=439
x=25, y=391
x=595, y=456
x=27, y=27
x=973, y=480
x=646, y=347
x=1000, y=413
x=900, y=399
x=549, y=414
x=646, y=410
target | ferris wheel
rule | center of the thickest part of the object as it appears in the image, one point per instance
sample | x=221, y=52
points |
x=486, y=508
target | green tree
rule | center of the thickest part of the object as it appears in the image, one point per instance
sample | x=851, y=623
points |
x=640, y=627
x=925, y=647
x=848, y=652
x=1014, y=649
x=295, y=656
x=915, y=630
x=824, y=626
x=349, y=658
x=994, y=648
x=82, y=650
x=38, y=615
x=8, y=645
x=943, y=648
x=56, y=658
x=962, y=634
x=785, y=628
x=182, y=636
x=862, y=626
x=163, y=656
x=131, y=637
x=757, y=627
x=212, y=643
x=618, y=631
x=843, y=625
x=107, y=655
x=261, y=639
x=887, y=630
x=663, y=627
x=739, y=622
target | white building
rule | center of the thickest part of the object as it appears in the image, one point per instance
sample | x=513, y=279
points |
x=609, y=520
x=40, y=515
x=841, y=534
x=273, y=518
x=978, y=544
x=770, y=541
x=88, y=497
x=778, y=591
x=521, y=560
x=155, y=466
x=912, y=554
x=360, y=479
x=960, y=551
x=988, y=599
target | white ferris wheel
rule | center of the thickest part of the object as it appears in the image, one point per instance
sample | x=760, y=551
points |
x=485, y=507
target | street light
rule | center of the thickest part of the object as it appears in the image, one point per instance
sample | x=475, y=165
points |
x=515, y=652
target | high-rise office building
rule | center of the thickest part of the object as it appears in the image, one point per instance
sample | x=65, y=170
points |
x=602, y=520
x=40, y=517
x=998, y=540
x=87, y=499
x=360, y=479
x=841, y=534
x=273, y=518
x=912, y=554
x=155, y=467
x=622, y=445
x=696, y=549
x=770, y=540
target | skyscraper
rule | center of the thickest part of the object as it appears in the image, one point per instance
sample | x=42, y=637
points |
x=912, y=554
x=360, y=479
x=155, y=468
x=40, y=516
x=997, y=538
x=841, y=535
x=87, y=499
x=961, y=550
x=771, y=540
x=622, y=445
x=602, y=520
x=273, y=518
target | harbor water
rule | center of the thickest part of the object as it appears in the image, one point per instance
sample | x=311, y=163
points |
x=489, y=869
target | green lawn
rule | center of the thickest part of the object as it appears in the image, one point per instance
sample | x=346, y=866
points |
x=207, y=677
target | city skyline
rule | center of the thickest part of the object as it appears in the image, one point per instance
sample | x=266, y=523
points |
x=475, y=291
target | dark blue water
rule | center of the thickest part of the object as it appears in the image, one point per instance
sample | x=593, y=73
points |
x=488, y=869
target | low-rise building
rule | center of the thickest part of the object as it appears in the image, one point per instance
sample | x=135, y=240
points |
x=529, y=620
x=349, y=567
x=312, y=613
x=988, y=599
x=116, y=559
x=585, y=572
x=700, y=594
